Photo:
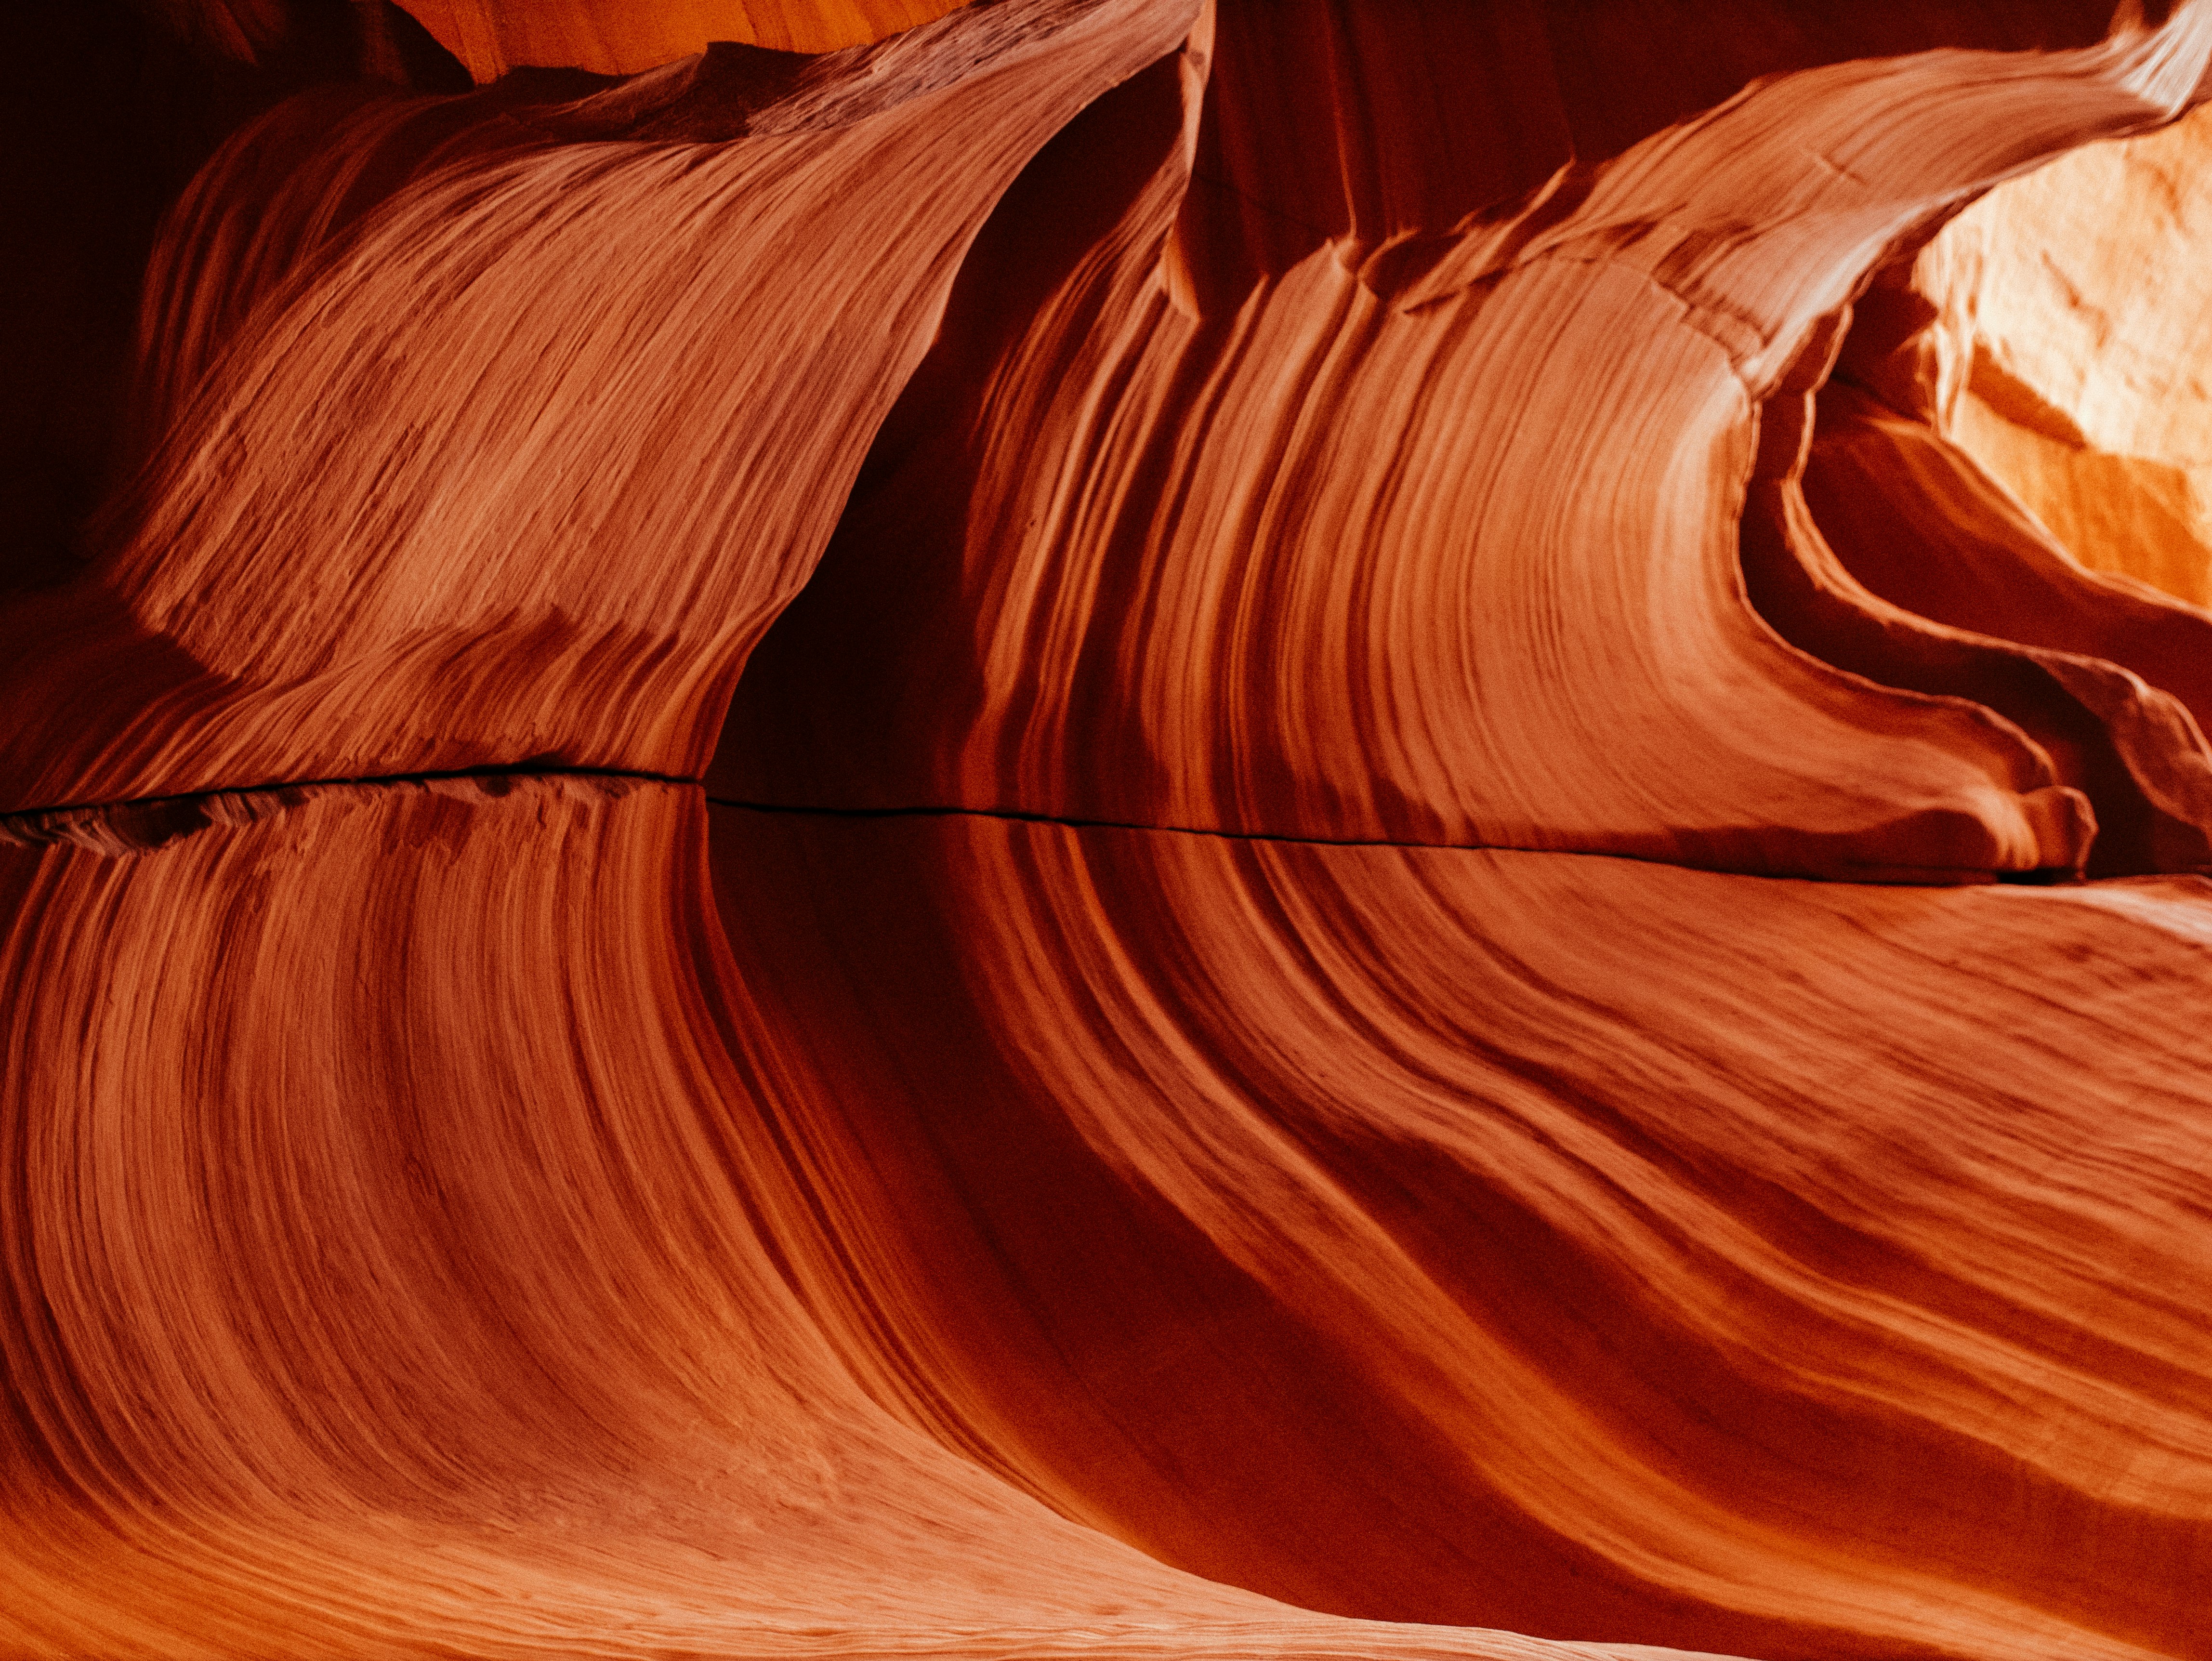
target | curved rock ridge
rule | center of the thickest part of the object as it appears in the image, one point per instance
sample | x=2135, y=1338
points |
x=1577, y=1244
x=1189, y=1183
x=1354, y=551
x=1233, y=1055
x=1878, y=537
x=446, y=1309
x=486, y=353
x=1874, y=543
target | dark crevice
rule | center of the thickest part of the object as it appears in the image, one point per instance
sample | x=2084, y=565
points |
x=1026, y=817
x=1933, y=877
x=141, y=824
x=534, y=767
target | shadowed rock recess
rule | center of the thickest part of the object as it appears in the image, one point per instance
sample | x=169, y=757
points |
x=1107, y=828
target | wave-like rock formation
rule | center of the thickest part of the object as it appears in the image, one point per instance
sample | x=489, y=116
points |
x=1114, y=828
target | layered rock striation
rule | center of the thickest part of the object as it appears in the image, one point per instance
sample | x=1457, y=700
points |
x=1105, y=827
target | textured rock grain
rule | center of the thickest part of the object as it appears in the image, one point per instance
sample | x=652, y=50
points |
x=1001, y=845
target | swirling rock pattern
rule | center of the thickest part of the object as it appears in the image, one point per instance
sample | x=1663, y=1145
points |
x=1106, y=828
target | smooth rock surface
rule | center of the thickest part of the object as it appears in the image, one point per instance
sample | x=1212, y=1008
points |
x=1006, y=845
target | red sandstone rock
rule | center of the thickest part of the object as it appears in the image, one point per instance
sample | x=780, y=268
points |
x=489, y=603
x=1404, y=543
x=493, y=36
x=2070, y=323
x=1452, y=1235
x=466, y=1196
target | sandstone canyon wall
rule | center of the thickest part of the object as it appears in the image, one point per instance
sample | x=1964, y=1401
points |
x=1107, y=827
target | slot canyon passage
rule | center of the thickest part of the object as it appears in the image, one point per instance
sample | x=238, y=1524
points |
x=1116, y=828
